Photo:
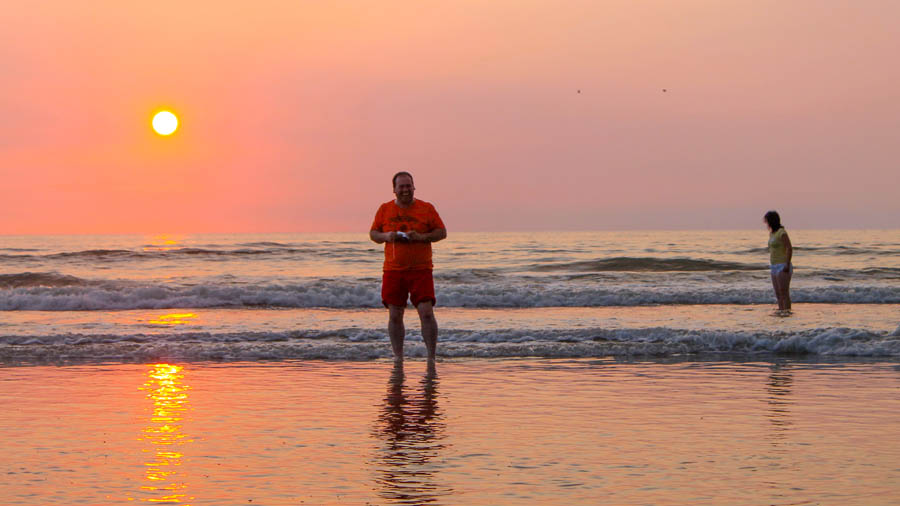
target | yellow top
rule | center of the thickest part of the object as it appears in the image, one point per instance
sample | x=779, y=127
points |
x=777, y=248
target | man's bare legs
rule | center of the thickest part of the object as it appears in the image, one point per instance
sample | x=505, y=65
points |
x=396, y=330
x=429, y=327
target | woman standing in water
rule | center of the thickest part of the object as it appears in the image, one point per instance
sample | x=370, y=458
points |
x=780, y=253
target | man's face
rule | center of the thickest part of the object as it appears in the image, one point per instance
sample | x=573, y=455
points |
x=404, y=189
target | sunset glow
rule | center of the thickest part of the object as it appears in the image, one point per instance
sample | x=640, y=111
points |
x=288, y=98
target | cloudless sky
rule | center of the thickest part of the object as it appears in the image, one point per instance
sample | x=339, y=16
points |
x=295, y=115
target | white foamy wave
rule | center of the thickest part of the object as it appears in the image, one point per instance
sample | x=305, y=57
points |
x=572, y=295
x=345, y=294
x=132, y=296
x=368, y=344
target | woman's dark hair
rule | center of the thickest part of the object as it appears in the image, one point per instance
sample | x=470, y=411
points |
x=773, y=220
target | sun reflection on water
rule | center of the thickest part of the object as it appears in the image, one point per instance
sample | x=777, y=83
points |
x=164, y=242
x=174, y=319
x=165, y=435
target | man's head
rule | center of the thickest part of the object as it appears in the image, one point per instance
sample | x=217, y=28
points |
x=404, y=188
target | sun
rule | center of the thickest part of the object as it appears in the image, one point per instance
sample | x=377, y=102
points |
x=165, y=123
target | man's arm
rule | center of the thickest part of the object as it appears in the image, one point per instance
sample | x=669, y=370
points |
x=381, y=237
x=435, y=235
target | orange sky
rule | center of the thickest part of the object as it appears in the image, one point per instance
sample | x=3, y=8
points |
x=294, y=115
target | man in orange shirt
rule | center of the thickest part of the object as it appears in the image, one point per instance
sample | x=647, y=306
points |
x=408, y=226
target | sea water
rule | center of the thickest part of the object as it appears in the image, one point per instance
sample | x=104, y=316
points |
x=573, y=294
x=574, y=368
x=471, y=432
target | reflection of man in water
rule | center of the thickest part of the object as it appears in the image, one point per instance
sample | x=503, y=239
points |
x=411, y=428
x=408, y=226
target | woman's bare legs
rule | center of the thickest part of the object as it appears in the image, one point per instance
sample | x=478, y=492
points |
x=783, y=279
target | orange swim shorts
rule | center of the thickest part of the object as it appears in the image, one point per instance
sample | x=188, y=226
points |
x=398, y=286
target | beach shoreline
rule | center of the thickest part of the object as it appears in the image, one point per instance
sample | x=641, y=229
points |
x=233, y=335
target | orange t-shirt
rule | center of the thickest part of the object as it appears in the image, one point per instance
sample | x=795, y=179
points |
x=421, y=217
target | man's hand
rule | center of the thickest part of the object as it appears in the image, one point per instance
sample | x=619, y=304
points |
x=433, y=236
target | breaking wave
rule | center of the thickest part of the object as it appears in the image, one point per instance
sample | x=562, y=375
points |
x=56, y=292
x=368, y=344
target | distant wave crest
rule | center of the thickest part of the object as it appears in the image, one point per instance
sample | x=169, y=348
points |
x=38, y=279
x=151, y=253
x=645, y=264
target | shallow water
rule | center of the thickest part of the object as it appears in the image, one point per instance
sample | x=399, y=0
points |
x=519, y=431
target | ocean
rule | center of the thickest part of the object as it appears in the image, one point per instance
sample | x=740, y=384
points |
x=549, y=295
x=576, y=368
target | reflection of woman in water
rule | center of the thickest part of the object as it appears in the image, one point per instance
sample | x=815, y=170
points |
x=780, y=253
x=779, y=399
x=411, y=428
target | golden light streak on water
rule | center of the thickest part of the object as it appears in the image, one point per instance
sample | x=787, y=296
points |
x=174, y=319
x=164, y=242
x=169, y=396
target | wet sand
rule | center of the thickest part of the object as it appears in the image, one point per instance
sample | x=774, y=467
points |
x=473, y=432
